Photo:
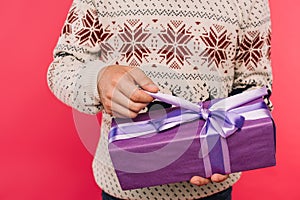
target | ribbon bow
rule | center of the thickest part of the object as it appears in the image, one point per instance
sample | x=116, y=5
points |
x=220, y=122
x=222, y=116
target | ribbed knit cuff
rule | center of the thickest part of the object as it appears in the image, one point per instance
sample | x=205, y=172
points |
x=89, y=82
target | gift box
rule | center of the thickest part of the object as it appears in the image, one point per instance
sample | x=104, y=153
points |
x=171, y=145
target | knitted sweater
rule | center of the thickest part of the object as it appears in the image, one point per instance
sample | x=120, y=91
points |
x=194, y=49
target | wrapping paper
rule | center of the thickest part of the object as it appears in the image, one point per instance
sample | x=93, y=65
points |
x=172, y=145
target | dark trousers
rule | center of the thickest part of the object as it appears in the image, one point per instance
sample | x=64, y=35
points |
x=223, y=195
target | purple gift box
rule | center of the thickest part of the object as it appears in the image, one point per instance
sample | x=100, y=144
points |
x=172, y=145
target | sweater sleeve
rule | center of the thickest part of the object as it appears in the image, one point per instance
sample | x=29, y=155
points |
x=253, y=62
x=72, y=75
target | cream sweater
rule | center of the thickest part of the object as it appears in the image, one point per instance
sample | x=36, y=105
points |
x=194, y=49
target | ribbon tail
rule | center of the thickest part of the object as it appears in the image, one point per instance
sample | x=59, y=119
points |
x=208, y=142
x=207, y=145
x=226, y=155
x=204, y=154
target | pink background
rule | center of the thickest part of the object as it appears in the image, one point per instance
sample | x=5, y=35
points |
x=42, y=156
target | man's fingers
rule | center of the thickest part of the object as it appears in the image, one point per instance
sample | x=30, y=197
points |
x=120, y=111
x=217, y=178
x=150, y=88
x=132, y=92
x=198, y=180
x=121, y=99
x=140, y=96
x=120, y=90
x=142, y=80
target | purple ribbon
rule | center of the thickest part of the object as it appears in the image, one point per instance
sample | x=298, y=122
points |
x=223, y=117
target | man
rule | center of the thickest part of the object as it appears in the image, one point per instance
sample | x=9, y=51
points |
x=194, y=49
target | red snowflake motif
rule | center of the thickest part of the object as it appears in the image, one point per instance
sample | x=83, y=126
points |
x=105, y=47
x=175, y=49
x=216, y=42
x=133, y=47
x=250, y=50
x=72, y=17
x=91, y=32
x=268, y=42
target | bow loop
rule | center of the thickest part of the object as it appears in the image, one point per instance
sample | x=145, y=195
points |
x=223, y=116
x=224, y=123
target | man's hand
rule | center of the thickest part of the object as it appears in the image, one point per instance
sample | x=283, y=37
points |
x=120, y=93
x=217, y=178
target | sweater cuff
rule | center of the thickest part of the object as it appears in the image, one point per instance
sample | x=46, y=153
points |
x=89, y=82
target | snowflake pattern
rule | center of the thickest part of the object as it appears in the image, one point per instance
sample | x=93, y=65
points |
x=72, y=17
x=268, y=42
x=91, y=31
x=175, y=39
x=216, y=42
x=105, y=46
x=250, y=51
x=133, y=37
